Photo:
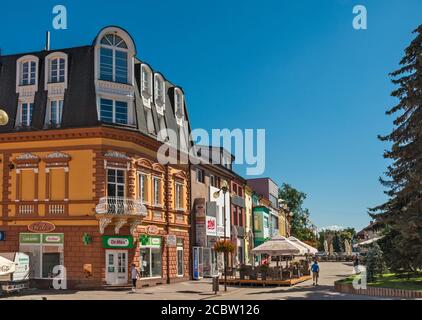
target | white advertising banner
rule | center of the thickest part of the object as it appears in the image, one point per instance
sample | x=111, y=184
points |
x=6, y=266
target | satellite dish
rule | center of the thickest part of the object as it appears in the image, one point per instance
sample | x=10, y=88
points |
x=4, y=118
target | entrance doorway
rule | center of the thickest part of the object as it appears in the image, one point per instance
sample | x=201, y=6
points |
x=116, y=267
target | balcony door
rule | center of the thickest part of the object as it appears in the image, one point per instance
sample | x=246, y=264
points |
x=116, y=186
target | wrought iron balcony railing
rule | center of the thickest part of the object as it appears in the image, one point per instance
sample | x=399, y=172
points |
x=120, y=206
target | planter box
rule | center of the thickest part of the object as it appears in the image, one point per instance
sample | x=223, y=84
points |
x=378, y=292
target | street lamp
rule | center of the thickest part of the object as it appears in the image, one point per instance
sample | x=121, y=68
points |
x=4, y=117
x=224, y=188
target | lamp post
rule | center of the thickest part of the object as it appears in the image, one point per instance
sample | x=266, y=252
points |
x=4, y=118
x=224, y=188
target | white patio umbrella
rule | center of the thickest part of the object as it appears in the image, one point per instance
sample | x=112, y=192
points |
x=309, y=249
x=279, y=246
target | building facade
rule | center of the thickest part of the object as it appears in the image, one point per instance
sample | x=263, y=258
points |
x=82, y=186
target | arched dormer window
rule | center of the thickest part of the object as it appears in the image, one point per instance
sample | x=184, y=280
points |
x=114, y=59
x=160, y=95
x=146, y=83
x=178, y=103
x=27, y=71
x=56, y=69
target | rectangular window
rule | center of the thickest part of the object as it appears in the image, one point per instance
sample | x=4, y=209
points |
x=26, y=114
x=180, y=265
x=106, y=64
x=200, y=176
x=212, y=181
x=146, y=81
x=235, y=217
x=121, y=67
x=115, y=183
x=143, y=187
x=151, y=260
x=112, y=111
x=179, y=196
x=57, y=70
x=56, y=109
x=28, y=75
x=156, y=191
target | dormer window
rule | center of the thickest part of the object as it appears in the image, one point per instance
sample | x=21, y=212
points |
x=146, y=81
x=114, y=59
x=159, y=90
x=57, y=70
x=25, y=114
x=178, y=101
x=29, y=69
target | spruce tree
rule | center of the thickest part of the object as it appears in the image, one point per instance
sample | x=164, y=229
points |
x=402, y=213
x=375, y=264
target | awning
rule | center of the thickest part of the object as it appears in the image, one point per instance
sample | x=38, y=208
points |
x=279, y=246
x=308, y=248
x=6, y=266
x=367, y=242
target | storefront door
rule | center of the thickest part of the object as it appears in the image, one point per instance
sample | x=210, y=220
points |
x=116, y=267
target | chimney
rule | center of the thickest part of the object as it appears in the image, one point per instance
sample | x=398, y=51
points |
x=47, y=41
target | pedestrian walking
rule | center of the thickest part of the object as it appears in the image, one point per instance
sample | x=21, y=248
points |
x=356, y=264
x=134, y=276
x=315, y=272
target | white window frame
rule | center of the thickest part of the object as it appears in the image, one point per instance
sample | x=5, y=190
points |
x=47, y=72
x=202, y=175
x=146, y=91
x=116, y=183
x=19, y=114
x=178, y=103
x=150, y=254
x=145, y=187
x=48, y=111
x=114, y=49
x=19, y=73
x=131, y=121
x=159, y=79
x=156, y=202
x=178, y=197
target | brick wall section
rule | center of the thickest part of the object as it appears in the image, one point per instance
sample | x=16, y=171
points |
x=378, y=292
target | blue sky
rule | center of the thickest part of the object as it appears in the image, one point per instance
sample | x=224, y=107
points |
x=296, y=68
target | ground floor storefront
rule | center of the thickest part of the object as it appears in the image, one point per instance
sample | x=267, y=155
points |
x=93, y=259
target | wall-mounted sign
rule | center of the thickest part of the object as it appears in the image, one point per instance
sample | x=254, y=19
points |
x=148, y=241
x=41, y=227
x=211, y=226
x=171, y=240
x=152, y=230
x=2, y=236
x=38, y=238
x=117, y=242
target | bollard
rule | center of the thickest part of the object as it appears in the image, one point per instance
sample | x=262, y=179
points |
x=215, y=285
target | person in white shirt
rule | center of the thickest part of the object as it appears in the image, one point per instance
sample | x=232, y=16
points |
x=134, y=273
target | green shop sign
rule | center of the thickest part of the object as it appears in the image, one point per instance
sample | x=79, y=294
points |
x=150, y=241
x=117, y=242
x=41, y=238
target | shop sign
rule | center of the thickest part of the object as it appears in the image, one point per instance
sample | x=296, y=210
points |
x=117, y=242
x=51, y=238
x=29, y=238
x=2, y=236
x=152, y=230
x=148, y=241
x=41, y=227
x=171, y=240
x=211, y=226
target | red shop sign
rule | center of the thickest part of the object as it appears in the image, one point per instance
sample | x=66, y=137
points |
x=41, y=227
x=152, y=230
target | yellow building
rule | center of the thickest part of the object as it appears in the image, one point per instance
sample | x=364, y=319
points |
x=82, y=187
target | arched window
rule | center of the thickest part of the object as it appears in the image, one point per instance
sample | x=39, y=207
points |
x=114, y=59
x=178, y=102
x=27, y=70
x=146, y=81
x=160, y=97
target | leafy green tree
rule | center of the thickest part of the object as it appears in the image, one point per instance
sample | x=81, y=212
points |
x=402, y=213
x=375, y=264
x=301, y=226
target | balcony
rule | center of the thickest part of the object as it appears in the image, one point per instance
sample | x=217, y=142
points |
x=120, y=212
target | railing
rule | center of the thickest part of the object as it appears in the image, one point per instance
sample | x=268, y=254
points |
x=56, y=209
x=26, y=209
x=121, y=206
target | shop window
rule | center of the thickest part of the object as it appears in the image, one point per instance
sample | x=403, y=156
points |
x=45, y=252
x=151, y=258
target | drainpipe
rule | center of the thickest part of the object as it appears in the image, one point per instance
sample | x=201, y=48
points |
x=167, y=221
